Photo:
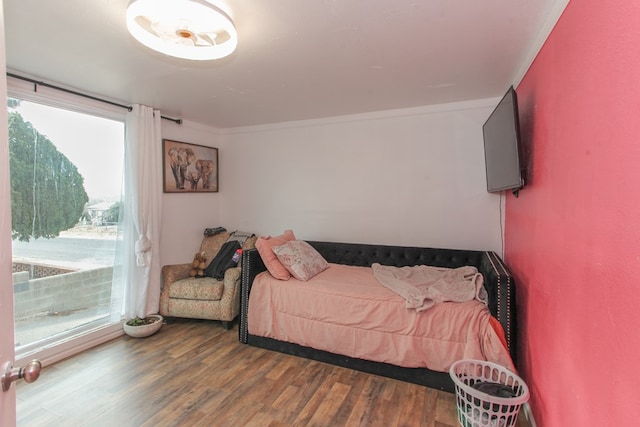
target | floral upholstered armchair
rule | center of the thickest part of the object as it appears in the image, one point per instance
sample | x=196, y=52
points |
x=203, y=297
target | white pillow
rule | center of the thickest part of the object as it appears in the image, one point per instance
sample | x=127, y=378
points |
x=300, y=259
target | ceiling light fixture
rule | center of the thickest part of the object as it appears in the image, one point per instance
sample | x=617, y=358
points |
x=188, y=29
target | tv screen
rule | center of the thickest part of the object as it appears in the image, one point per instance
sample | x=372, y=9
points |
x=501, y=146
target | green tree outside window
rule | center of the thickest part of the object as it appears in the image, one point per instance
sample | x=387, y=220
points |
x=47, y=191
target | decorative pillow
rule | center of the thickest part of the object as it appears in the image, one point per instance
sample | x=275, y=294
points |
x=264, y=245
x=300, y=259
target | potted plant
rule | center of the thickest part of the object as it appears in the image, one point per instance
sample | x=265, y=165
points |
x=143, y=327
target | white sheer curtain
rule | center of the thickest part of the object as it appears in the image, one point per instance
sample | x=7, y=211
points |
x=142, y=212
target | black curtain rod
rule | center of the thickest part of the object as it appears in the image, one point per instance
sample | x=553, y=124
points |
x=37, y=83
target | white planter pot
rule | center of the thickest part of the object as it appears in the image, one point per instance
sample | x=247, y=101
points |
x=144, y=330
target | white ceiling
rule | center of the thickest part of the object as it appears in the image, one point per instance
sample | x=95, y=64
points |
x=296, y=59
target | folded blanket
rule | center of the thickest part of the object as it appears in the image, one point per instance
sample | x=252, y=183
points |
x=424, y=286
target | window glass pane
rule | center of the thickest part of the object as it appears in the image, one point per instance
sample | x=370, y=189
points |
x=66, y=180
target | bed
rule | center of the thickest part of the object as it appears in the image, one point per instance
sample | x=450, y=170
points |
x=498, y=282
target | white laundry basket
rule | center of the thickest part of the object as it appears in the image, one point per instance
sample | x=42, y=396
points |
x=478, y=409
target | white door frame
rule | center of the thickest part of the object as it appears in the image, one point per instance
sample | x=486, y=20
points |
x=7, y=344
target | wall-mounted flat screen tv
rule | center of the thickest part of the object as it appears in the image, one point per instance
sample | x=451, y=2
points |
x=501, y=134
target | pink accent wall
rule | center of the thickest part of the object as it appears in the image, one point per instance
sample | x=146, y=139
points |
x=572, y=238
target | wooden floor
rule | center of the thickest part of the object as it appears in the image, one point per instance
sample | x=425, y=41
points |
x=194, y=373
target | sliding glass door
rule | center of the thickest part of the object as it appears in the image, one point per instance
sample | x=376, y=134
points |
x=66, y=181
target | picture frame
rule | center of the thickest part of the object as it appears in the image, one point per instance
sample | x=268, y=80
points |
x=189, y=168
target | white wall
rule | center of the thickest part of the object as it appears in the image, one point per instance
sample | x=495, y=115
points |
x=409, y=177
x=185, y=216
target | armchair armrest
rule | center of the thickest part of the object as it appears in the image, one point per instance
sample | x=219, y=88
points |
x=232, y=276
x=230, y=300
x=175, y=272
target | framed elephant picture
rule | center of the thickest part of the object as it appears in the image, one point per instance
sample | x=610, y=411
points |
x=189, y=168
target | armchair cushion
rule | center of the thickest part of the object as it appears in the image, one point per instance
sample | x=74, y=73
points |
x=203, y=289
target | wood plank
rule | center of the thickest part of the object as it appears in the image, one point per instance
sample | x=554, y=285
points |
x=329, y=407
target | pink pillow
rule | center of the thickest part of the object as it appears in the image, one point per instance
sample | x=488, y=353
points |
x=264, y=245
x=301, y=259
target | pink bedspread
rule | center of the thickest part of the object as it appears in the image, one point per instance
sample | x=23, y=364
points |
x=344, y=310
